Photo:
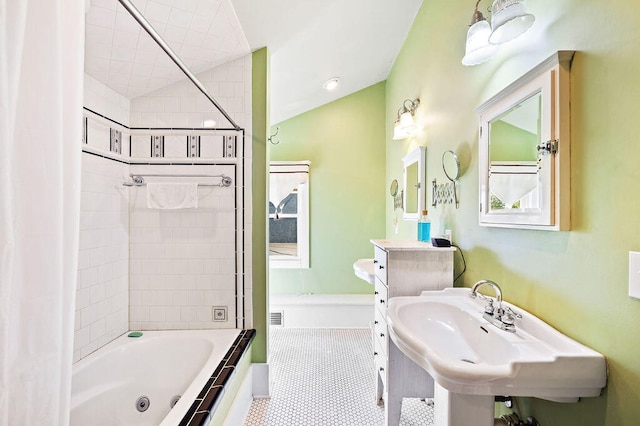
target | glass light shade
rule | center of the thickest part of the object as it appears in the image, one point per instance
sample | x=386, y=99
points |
x=406, y=123
x=398, y=132
x=478, y=48
x=509, y=19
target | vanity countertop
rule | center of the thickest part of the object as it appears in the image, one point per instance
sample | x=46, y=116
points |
x=409, y=245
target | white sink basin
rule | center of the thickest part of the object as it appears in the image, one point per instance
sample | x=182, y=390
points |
x=363, y=268
x=444, y=332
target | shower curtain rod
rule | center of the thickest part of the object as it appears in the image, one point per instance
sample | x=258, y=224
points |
x=135, y=13
x=138, y=179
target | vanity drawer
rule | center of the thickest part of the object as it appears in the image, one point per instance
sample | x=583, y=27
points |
x=380, y=264
x=380, y=296
x=380, y=362
x=380, y=330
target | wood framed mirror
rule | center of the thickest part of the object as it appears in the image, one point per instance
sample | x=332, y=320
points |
x=524, y=163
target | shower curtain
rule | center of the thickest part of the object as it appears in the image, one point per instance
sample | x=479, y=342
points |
x=41, y=74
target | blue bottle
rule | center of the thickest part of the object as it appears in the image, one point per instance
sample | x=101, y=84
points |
x=424, y=227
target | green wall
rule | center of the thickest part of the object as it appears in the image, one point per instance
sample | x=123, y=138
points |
x=515, y=144
x=576, y=281
x=258, y=235
x=344, y=141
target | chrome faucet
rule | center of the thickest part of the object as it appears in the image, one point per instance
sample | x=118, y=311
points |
x=501, y=318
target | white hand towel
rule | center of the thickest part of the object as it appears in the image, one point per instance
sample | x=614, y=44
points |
x=172, y=195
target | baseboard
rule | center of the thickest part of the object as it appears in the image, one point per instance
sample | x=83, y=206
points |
x=324, y=310
x=260, y=386
x=254, y=385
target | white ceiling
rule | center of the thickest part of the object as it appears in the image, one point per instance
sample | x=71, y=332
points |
x=309, y=41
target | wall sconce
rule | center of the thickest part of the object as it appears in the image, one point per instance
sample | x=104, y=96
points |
x=509, y=19
x=404, y=125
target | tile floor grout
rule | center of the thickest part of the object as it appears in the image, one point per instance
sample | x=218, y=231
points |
x=326, y=377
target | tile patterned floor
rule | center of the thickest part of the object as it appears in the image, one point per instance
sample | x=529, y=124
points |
x=325, y=377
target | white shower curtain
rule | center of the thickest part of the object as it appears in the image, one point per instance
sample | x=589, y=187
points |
x=41, y=74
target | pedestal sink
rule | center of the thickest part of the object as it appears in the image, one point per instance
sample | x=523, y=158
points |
x=363, y=268
x=471, y=360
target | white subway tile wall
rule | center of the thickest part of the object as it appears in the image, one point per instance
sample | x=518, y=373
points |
x=103, y=258
x=182, y=105
x=183, y=261
x=102, y=295
x=103, y=100
x=159, y=269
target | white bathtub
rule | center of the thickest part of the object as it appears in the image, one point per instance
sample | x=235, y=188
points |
x=159, y=365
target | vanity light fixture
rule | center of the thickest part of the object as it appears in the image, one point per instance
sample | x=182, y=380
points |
x=331, y=84
x=404, y=125
x=509, y=19
x=478, y=49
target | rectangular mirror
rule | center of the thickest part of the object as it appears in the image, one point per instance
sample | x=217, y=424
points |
x=289, y=214
x=514, y=178
x=524, y=166
x=414, y=183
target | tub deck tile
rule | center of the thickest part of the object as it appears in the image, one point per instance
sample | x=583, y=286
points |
x=204, y=406
x=212, y=397
x=201, y=418
x=206, y=387
x=187, y=417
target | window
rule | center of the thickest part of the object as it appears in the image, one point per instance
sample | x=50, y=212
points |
x=289, y=214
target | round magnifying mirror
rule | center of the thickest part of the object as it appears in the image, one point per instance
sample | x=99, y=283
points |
x=394, y=188
x=451, y=165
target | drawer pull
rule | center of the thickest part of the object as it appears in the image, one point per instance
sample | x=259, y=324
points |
x=380, y=267
x=381, y=368
x=375, y=261
x=375, y=322
x=375, y=354
x=381, y=334
x=381, y=300
x=375, y=292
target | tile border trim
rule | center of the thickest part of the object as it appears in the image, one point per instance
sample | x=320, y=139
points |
x=207, y=401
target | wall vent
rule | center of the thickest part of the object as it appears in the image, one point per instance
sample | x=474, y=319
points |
x=276, y=318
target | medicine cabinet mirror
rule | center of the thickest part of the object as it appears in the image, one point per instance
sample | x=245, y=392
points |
x=524, y=150
x=414, y=183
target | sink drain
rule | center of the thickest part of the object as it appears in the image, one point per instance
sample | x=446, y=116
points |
x=142, y=404
x=174, y=401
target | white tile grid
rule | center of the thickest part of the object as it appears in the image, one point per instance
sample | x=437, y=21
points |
x=175, y=146
x=182, y=105
x=325, y=377
x=202, y=33
x=182, y=261
x=211, y=146
x=99, y=136
x=102, y=312
x=106, y=101
x=102, y=290
x=247, y=155
x=140, y=146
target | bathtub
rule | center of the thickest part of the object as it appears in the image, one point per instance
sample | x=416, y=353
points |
x=109, y=386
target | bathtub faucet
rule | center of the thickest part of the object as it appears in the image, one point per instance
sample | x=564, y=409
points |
x=504, y=319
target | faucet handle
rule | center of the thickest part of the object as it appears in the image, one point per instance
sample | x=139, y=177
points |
x=509, y=311
x=508, y=317
x=489, y=309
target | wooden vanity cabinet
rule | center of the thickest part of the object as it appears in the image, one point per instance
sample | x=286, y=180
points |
x=403, y=268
